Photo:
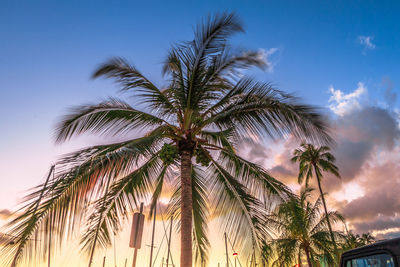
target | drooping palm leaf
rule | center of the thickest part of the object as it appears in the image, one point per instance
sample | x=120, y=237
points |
x=111, y=210
x=130, y=78
x=110, y=117
x=233, y=200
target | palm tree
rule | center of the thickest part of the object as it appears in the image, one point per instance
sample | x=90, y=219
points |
x=354, y=240
x=203, y=112
x=316, y=159
x=367, y=238
x=302, y=230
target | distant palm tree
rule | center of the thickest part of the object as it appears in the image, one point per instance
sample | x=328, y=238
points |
x=205, y=109
x=316, y=159
x=354, y=240
x=367, y=238
x=302, y=230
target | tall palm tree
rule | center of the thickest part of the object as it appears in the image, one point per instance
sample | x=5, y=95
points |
x=302, y=230
x=203, y=112
x=316, y=159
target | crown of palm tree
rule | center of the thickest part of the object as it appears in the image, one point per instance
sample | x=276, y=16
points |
x=309, y=156
x=207, y=107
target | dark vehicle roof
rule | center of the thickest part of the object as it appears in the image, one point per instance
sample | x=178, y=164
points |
x=393, y=245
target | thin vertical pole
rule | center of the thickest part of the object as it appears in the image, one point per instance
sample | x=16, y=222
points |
x=104, y=261
x=169, y=241
x=115, y=253
x=49, y=246
x=254, y=256
x=152, y=235
x=50, y=229
x=97, y=231
x=126, y=262
x=226, y=251
x=49, y=250
x=136, y=233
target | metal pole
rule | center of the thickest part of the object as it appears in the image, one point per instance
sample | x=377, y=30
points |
x=152, y=235
x=49, y=247
x=50, y=228
x=115, y=253
x=104, y=261
x=97, y=231
x=226, y=251
x=169, y=241
x=137, y=228
x=126, y=262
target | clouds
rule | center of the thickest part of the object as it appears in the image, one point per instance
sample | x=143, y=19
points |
x=361, y=133
x=368, y=156
x=389, y=95
x=342, y=103
x=366, y=42
x=380, y=202
x=268, y=57
x=254, y=151
x=381, y=223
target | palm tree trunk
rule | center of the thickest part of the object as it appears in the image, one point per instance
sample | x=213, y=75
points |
x=186, y=208
x=326, y=212
x=308, y=256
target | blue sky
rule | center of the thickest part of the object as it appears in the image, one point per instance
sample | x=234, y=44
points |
x=48, y=50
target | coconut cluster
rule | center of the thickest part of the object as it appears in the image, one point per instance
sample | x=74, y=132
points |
x=202, y=156
x=169, y=153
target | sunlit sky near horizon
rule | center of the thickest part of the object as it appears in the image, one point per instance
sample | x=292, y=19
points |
x=342, y=56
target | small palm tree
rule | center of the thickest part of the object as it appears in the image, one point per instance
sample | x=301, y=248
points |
x=302, y=230
x=367, y=238
x=191, y=127
x=354, y=240
x=316, y=159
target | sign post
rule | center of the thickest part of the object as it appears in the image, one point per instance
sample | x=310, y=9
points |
x=136, y=233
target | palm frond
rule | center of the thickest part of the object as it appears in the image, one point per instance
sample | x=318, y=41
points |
x=159, y=183
x=253, y=176
x=262, y=110
x=79, y=179
x=110, y=117
x=241, y=210
x=210, y=38
x=111, y=210
x=130, y=78
x=200, y=215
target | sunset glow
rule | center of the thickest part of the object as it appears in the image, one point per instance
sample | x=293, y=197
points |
x=340, y=57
